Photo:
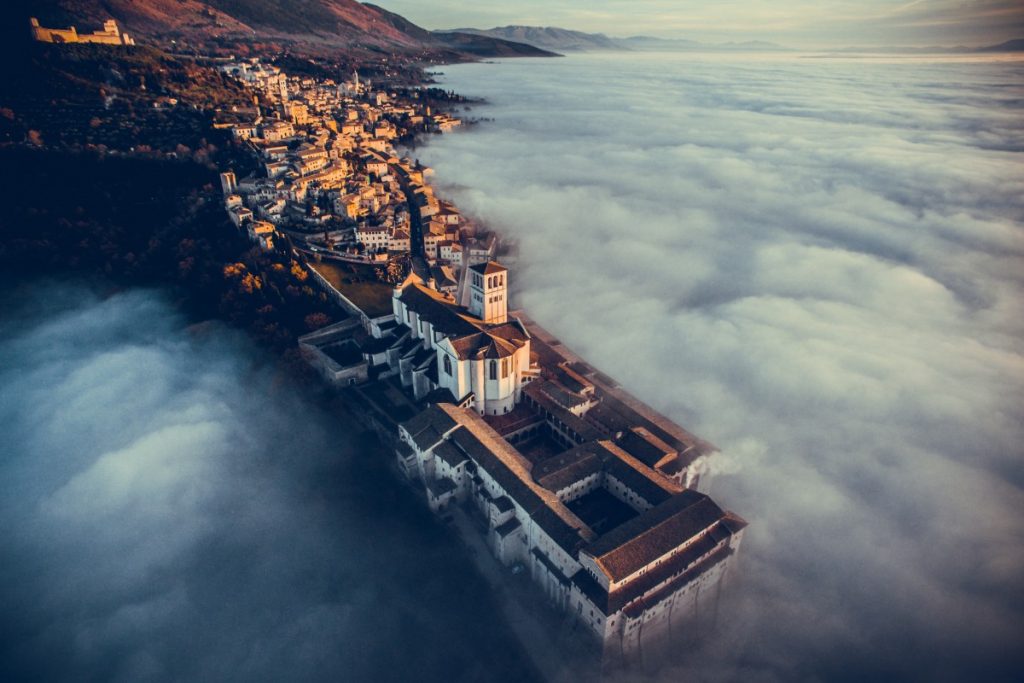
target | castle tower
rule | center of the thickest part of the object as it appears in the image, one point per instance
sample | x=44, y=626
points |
x=488, y=286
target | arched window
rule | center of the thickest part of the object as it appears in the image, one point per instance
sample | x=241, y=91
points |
x=494, y=369
x=448, y=365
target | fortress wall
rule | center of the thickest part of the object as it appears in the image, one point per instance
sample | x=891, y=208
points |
x=110, y=35
x=55, y=35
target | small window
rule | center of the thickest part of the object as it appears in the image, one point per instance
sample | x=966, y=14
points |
x=448, y=365
x=494, y=369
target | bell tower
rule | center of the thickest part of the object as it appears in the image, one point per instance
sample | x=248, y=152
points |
x=488, y=286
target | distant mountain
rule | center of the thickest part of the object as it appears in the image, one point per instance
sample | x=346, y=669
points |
x=548, y=38
x=488, y=46
x=337, y=24
x=565, y=40
x=1016, y=45
x=477, y=45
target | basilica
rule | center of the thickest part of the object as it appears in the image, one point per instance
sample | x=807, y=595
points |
x=594, y=495
x=476, y=354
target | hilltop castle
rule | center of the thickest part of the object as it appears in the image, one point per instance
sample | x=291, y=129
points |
x=110, y=35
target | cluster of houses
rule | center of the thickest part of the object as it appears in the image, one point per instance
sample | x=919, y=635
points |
x=329, y=173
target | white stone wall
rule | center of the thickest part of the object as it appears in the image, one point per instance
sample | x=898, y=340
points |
x=627, y=495
x=657, y=631
x=581, y=488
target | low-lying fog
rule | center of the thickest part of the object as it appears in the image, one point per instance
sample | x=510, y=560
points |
x=816, y=264
x=172, y=511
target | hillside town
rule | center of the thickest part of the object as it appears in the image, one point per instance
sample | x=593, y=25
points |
x=508, y=434
x=550, y=466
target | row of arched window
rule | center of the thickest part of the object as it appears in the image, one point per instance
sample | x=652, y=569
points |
x=492, y=281
x=504, y=368
x=493, y=368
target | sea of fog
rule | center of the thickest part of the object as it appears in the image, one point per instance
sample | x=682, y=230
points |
x=818, y=264
x=172, y=509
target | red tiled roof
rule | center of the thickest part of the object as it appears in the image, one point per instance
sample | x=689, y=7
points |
x=642, y=540
x=488, y=268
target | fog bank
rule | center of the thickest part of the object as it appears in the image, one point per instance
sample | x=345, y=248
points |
x=171, y=510
x=817, y=265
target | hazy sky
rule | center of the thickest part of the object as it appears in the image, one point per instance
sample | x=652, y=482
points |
x=798, y=23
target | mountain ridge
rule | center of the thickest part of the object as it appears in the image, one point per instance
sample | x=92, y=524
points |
x=547, y=37
x=315, y=24
x=568, y=40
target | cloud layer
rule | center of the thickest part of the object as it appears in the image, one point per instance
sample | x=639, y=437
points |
x=816, y=264
x=172, y=511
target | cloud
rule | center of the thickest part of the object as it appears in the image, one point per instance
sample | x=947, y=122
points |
x=816, y=264
x=171, y=510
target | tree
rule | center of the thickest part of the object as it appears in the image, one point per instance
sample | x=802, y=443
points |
x=396, y=272
x=298, y=272
x=314, y=321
